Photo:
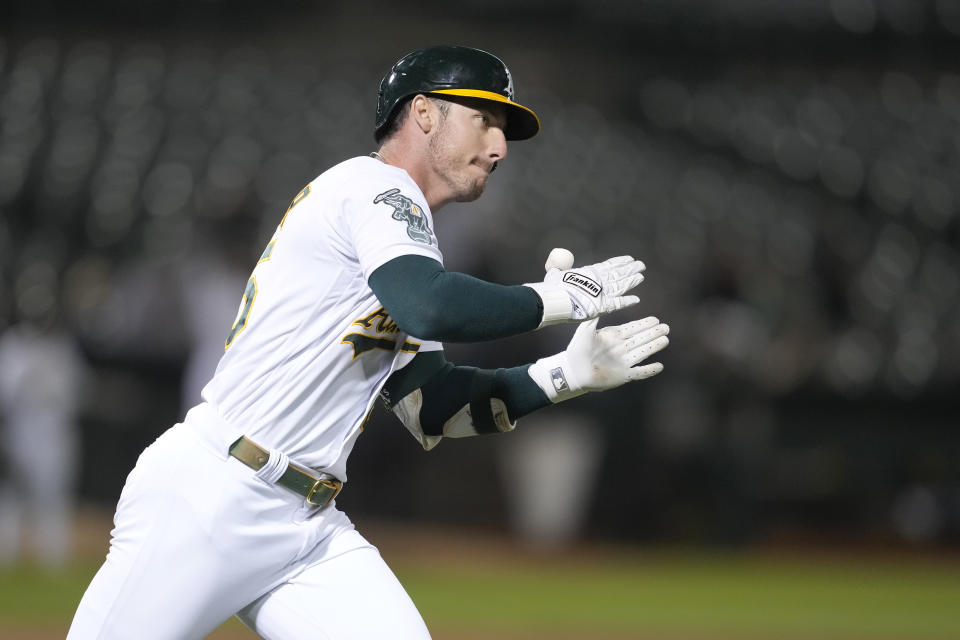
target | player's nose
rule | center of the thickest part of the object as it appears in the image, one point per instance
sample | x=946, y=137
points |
x=497, y=149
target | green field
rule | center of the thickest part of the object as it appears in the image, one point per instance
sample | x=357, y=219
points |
x=678, y=595
x=501, y=591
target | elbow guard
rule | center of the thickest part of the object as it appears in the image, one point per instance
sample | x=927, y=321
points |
x=482, y=414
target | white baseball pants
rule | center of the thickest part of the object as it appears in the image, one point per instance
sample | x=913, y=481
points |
x=199, y=538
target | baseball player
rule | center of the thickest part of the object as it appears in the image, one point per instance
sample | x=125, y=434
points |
x=232, y=511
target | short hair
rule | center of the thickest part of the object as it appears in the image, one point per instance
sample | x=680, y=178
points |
x=400, y=113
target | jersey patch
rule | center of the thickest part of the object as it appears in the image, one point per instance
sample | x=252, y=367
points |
x=405, y=210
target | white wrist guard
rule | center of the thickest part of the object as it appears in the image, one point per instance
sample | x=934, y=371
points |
x=557, y=306
x=555, y=376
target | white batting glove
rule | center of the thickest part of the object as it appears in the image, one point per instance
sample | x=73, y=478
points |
x=600, y=360
x=586, y=292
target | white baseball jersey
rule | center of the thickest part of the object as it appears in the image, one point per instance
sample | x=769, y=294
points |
x=312, y=346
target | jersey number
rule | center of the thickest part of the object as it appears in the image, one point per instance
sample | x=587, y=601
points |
x=250, y=292
x=246, y=303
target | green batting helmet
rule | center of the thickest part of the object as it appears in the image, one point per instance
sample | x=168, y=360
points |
x=454, y=71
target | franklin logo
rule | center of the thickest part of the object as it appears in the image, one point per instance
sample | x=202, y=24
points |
x=589, y=285
x=405, y=210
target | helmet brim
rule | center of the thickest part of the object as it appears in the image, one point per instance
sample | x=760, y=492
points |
x=522, y=122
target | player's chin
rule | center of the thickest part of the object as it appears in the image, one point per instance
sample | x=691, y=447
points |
x=471, y=191
x=469, y=196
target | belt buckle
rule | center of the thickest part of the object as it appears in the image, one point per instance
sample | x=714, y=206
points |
x=335, y=485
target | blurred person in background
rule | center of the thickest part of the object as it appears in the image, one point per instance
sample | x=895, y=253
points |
x=41, y=379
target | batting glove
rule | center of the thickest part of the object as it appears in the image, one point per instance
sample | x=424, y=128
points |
x=597, y=360
x=586, y=292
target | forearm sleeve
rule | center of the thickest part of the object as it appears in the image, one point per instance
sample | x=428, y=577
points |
x=431, y=303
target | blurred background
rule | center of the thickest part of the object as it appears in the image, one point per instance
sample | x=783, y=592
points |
x=789, y=172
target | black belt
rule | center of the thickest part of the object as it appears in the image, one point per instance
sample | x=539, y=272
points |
x=319, y=491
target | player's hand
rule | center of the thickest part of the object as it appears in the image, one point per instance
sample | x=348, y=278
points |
x=597, y=360
x=586, y=292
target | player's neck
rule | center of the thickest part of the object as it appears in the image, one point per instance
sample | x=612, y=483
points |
x=436, y=192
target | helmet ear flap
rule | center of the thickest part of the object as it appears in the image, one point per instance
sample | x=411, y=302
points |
x=393, y=121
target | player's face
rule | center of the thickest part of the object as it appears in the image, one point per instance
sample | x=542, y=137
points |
x=468, y=143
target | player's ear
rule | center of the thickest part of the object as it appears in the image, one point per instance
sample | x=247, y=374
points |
x=423, y=112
